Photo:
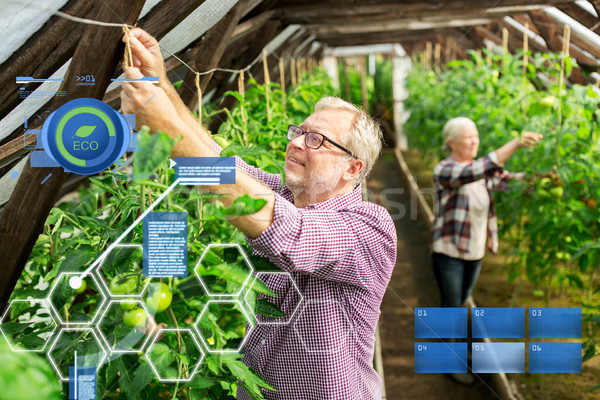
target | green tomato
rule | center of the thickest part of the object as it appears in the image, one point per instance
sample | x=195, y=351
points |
x=542, y=194
x=556, y=192
x=134, y=318
x=128, y=305
x=81, y=288
x=547, y=102
x=221, y=141
x=159, y=298
x=120, y=285
x=568, y=239
x=545, y=183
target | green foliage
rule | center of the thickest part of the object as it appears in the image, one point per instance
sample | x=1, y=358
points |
x=26, y=376
x=554, y=240
x=77, y=232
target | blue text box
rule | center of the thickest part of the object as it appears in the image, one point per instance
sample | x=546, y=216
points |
x=504, y=323
x=554, y=323
x=82, y=383
x=441, y=358
x=491, y=358
x=205, y=170
x=555, y=357
x=441, y=322
x=165, y=244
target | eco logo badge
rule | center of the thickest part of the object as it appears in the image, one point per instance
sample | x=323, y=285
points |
x=85, y=136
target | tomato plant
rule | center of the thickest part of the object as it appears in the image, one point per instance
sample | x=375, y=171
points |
x=550, y=222
x=78, y=231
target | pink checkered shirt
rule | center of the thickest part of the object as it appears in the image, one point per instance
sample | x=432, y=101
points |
x=340, y=254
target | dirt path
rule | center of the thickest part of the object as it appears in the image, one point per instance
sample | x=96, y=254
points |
x=412, y=285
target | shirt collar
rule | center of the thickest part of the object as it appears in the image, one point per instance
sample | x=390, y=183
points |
x=335, y=203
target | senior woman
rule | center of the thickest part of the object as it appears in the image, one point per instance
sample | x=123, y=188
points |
x=465, y=215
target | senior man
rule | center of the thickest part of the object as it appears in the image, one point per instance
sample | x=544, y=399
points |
x=338, y=249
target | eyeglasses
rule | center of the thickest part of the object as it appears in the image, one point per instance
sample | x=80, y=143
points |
x=313, y=140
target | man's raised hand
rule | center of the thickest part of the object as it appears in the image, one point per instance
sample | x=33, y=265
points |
x=146, y=54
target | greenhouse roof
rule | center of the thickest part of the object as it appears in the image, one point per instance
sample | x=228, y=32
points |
x=62, y=39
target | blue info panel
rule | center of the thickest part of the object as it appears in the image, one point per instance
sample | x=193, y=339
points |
x=555, y=357
x=503, y=323
x=554, y=323
x=205, y=170
x=441, y=322
x=491, y=358
x=441, y=358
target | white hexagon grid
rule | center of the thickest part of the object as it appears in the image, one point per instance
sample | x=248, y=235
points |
x=101, y=276
x=31, y=319
x=282, y=320
x=194, y=370
x=204, y=341
x=325, y=330
x=100, y=302
x=76, y=329
x=134, y=335
x=248, y=264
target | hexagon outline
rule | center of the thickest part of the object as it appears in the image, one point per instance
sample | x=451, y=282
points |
x=45, y=304
x=291, y=316
x=154, y=339
x=343, y=313
x=100, y=305
x=110, y=350
x=105, y=286
x=75, y=328
x=246, y=334
x=224, y=295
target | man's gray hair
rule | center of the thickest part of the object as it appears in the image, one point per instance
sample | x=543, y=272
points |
x=365, y=137
x=452, y=130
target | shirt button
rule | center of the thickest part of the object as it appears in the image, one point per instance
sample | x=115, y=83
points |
x=263, y=341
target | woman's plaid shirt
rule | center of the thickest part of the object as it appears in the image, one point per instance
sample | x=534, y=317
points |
x=452, y=211
x=340, y=255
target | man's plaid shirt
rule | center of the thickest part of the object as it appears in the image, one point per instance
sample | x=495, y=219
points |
x=452, y=211
x=340, y=254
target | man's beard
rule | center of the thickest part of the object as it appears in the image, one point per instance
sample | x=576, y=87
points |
x=316, y=183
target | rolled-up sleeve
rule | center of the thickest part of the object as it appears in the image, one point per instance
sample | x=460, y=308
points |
x=352, y=246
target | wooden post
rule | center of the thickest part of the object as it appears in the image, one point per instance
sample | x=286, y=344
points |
x=505, y=40
x=428, y=54
x=345, y=68
x=363, y=84
x=293, y=71
x=282, y=82
x=267, y=84
x=525, y=47
x=31, y=200
x=436, y=57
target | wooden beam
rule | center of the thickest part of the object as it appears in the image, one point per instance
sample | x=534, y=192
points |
x=210, y=50
x=42, y=54
x=308, y=9
x=98, y=53
x=379, y=37
x=381, y=13
x=580, y=15
x=549, y=31
x=166, y=15
x=358, y=27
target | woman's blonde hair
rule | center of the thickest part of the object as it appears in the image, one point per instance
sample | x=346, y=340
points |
x=452, y=129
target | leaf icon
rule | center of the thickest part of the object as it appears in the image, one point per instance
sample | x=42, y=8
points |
x=84, y=131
